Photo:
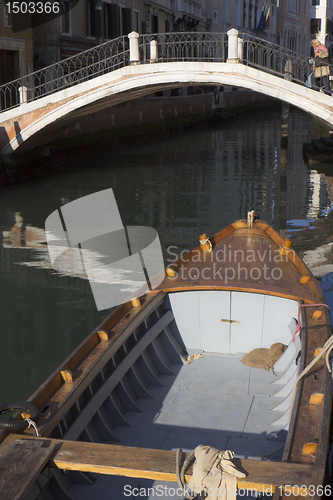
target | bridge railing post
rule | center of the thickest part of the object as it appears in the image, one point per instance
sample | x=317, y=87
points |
x=134, y=47
x=240, y=49
x=233, y=46
x=23, y=94
x=153, y=51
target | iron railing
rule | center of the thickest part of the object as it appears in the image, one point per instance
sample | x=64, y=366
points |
x=66, y=73
x=185, y=46
x=169, y=47
x=277, y=60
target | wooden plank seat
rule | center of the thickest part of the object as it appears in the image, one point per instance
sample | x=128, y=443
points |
x=159, y=464
x=21, y=462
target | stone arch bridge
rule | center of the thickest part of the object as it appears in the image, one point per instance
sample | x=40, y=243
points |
x=36, y=107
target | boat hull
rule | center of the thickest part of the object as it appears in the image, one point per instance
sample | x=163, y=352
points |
x=134, y=367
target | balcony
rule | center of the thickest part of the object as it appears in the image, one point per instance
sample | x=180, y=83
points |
x=186, y=9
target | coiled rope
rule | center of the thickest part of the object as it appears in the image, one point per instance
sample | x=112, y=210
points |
x=180, y=471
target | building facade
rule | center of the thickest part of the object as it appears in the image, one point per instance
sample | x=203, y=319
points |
x=256, y=17
x=83, y=24
x=16, y=48
x=321, y=22
x=87, y=23
x=293, y=25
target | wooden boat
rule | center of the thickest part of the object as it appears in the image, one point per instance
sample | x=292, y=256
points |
x=112, y=416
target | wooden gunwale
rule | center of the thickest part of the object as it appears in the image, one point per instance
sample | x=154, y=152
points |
x=85, y=371
x=308, y=425
x=324, y=431
x=54, y=397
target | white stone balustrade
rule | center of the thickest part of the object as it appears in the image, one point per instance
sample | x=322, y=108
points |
x=134, y=47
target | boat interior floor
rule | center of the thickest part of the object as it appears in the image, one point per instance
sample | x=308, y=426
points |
x=216, y=401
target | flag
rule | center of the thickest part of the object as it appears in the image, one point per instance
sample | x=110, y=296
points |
x=264, y=18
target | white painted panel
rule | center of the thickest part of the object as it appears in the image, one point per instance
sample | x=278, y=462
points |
x=292, y=326
x=247, y=310
x=283, y=421
x=278, y=314
x=286, y=376
x=287, y=358
x=185, y=307
x=285, y=404
x=214, y=305
x=286, y=389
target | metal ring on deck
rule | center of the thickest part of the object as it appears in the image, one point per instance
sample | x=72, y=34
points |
x=17, y=425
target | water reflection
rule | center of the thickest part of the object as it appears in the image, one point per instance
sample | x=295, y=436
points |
x=185, y=186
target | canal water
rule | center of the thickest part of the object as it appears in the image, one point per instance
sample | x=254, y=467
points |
x=196, y=182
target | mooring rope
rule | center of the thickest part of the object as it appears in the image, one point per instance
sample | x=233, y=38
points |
x=31, y=423
x=180, y=471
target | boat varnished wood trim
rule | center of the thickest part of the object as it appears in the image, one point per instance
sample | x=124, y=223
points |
x=56, y=396
x=161, y=464
x=243, y=287
x=292, y=256
x=316, y=399
x=67, y=375
x=308, y=291
x=324, y=431
x=312, y=422
x=214, y=239
x=80, y=353
x=103, y=335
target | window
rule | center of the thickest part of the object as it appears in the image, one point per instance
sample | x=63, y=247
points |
x=136, y=21
x=7, y=18
x=315, y=2
x=66, y=17
x=329, y=26
x=90, y=18
x=315, y=25
x=154, y=24
x=111, y=28
x=126, y=21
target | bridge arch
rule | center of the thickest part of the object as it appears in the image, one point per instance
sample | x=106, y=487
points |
x=28, y=125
